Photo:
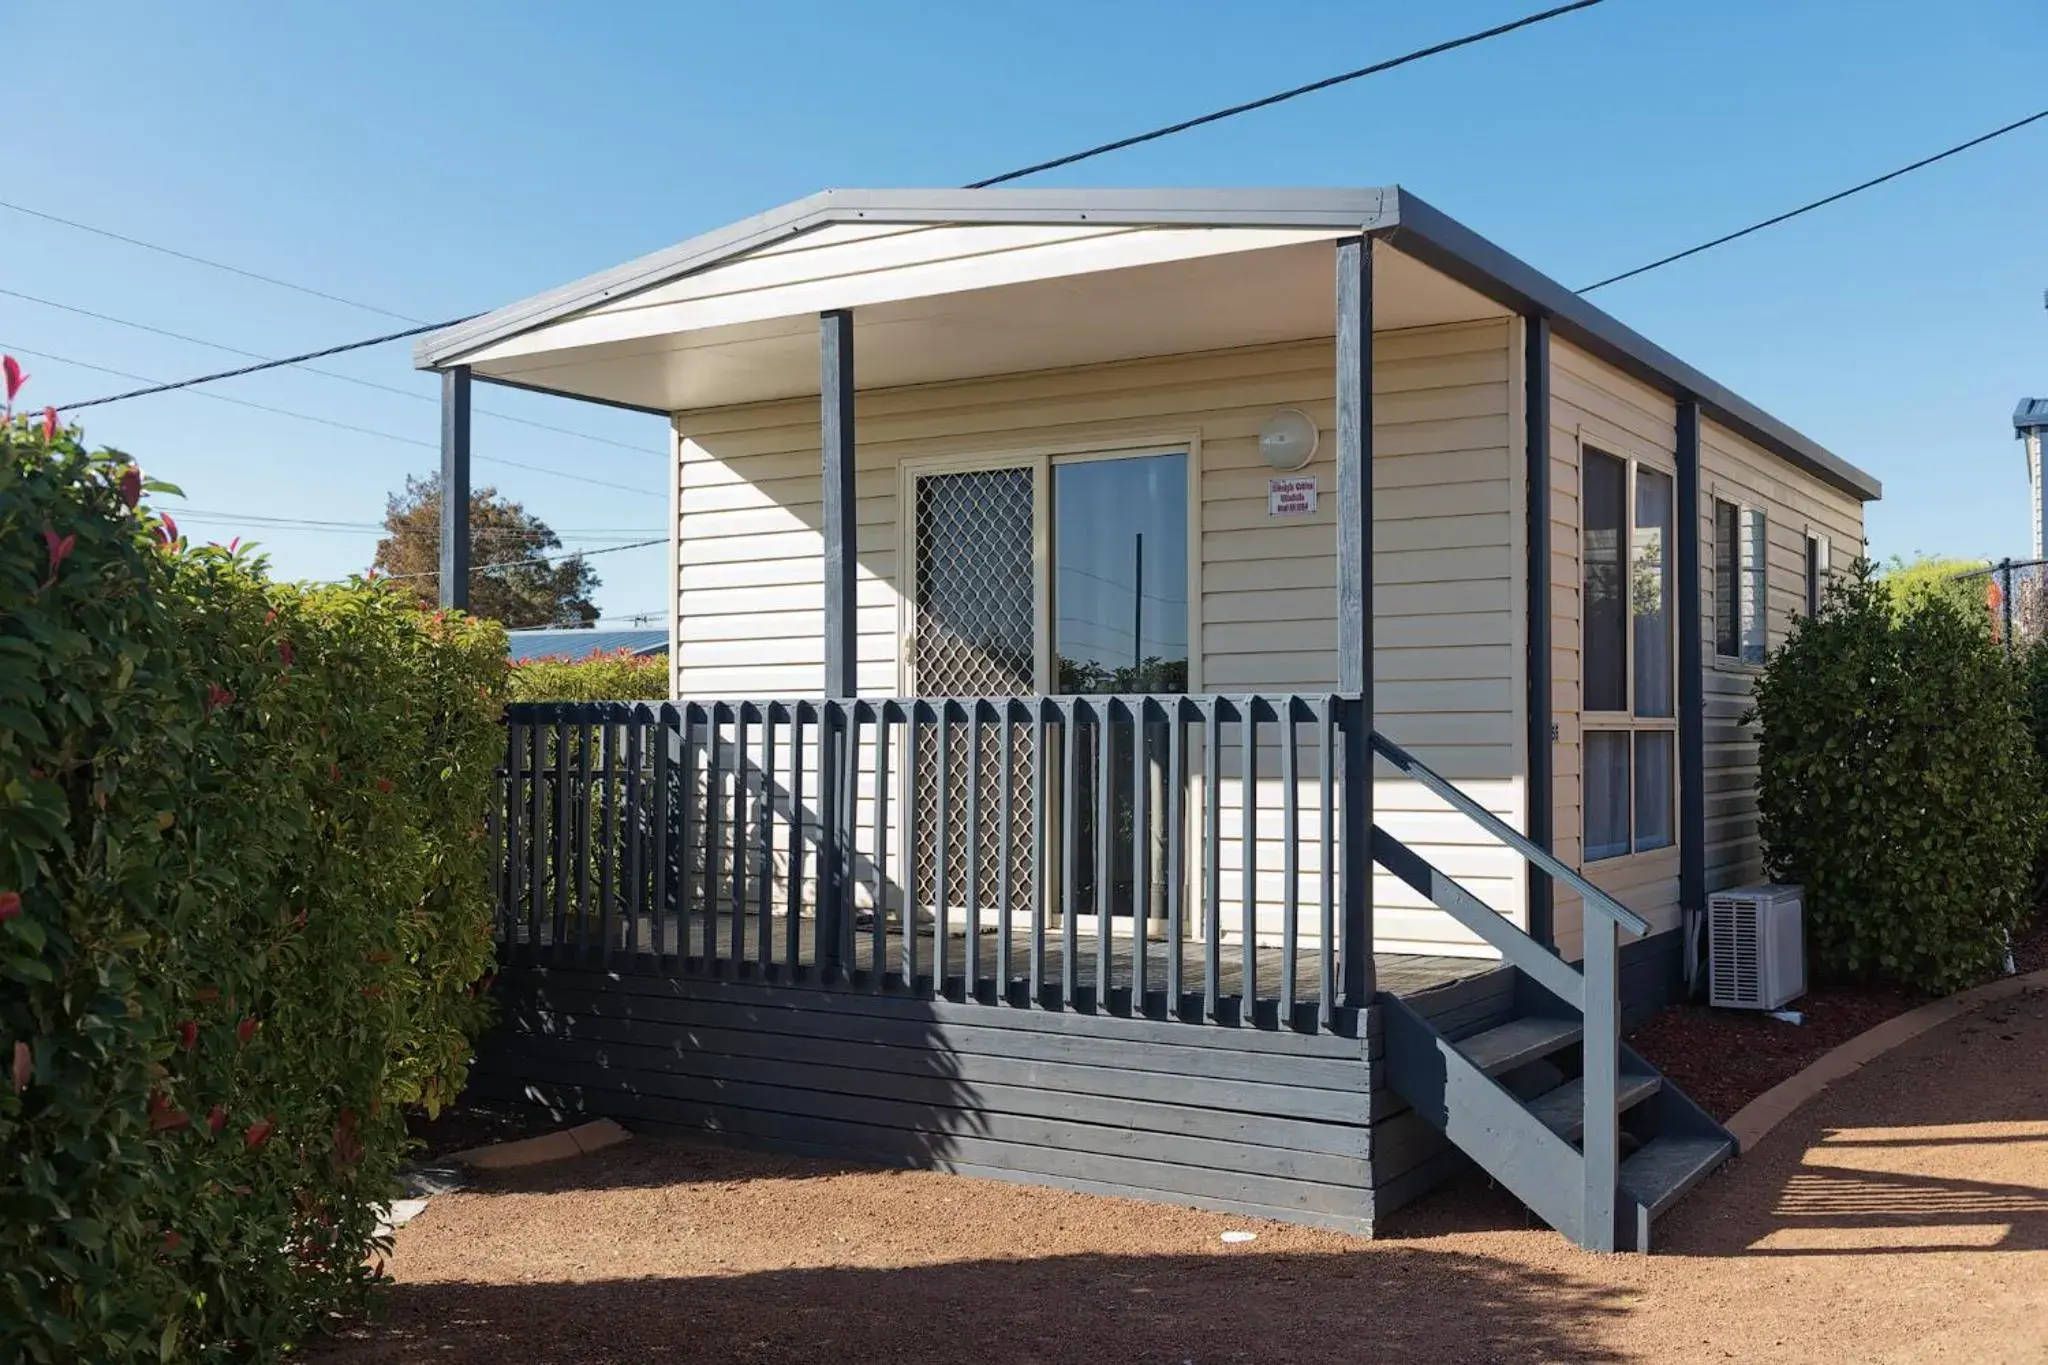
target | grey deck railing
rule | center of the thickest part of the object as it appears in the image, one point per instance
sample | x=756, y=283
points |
x=1593, y=988
x=1022, y=851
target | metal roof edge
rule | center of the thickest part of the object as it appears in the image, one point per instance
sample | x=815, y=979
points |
x=1445, y=244
x=1364, y=209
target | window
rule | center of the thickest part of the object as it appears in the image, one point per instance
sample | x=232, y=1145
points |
x=1740, y=591
x=1628, y=657
x=1817, y=570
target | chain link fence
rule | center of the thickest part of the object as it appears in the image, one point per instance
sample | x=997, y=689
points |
x=2015, y=592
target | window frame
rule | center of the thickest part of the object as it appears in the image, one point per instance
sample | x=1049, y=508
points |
x=1627, y=721
x=1820, y=569
x=1739, y=662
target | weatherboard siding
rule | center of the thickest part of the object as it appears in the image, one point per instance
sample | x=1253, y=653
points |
x=1447, y=566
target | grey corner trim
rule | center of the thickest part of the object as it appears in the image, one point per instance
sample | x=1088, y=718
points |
x=1447, y=245
x=1363, y=209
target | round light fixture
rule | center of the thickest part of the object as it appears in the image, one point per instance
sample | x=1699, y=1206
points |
x=1288, y=439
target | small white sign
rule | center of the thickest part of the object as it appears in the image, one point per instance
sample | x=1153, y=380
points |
x=1293, y=496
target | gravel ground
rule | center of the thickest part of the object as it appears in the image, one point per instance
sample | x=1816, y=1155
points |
x=1903, y=1216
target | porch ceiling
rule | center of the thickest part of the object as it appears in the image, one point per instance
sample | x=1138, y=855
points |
x=1084, y=297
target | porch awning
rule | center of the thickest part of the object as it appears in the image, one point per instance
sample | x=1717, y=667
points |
x=964, y=284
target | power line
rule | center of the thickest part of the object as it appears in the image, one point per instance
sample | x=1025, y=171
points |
x=201, y=260
x=321, y=354
x=308, y=417
x=215, y=514
x=1268, y=101
x=1157, y=133
x=537, y=560
x=1834, y=198
x=310, y=369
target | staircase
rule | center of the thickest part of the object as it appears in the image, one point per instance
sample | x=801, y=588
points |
x=1552, y=1103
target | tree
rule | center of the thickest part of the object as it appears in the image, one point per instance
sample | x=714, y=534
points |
x=512, y=579
x=1908, y=581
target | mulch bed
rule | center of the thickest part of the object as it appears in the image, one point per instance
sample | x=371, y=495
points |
x=466, y=1124
x=1724, y=1059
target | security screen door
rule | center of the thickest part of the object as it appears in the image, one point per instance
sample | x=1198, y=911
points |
x=1092, y=601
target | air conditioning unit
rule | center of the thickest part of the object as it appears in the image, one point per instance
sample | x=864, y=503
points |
x=1756, y=947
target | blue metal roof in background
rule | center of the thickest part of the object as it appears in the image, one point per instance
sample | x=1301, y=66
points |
x=522, y=645
x=2030, y=415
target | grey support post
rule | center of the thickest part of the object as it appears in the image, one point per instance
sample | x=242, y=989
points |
x=1542, y=813
x=1692, y=703
x=836, y=445
x=1355, y=610
x=454, y=567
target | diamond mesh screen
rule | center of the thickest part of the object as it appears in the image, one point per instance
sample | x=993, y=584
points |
x=975, y=622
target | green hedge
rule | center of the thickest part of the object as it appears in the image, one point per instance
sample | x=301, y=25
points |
x=246, y=913
x=1899, y=785
x=606, y=677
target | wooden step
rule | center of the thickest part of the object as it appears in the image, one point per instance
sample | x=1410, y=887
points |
x=1519, y=1042
x=1563, y=1110
x=1661, y=1173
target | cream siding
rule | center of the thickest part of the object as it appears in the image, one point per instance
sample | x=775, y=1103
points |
x=1447, y=564
x=1594, y=404
x=1735, y=470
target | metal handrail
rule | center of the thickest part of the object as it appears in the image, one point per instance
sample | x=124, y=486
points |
x=1414, y=767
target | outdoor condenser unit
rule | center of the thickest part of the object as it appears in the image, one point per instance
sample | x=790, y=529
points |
x=1756, y=947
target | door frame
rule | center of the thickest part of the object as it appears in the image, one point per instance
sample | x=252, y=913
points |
x=1040, y=457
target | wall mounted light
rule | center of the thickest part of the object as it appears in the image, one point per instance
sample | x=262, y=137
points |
x=1288, y=439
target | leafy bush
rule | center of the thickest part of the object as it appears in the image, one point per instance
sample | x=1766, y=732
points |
x=618, y=676
x=243, y=913
x=1899, y=785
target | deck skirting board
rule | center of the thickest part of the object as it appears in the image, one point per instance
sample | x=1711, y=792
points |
x=1256, y=1122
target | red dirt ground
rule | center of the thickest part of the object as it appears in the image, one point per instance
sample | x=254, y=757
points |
x=1900, y=1217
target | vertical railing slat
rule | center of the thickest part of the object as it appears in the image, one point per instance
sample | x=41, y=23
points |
x=515, y=848
x=1141, y=852
x=742, y=830
x=1327, y=851
x=1070, y=928
x=1248, y=897
x=1105, y=820
x=1290, y=861
x=1601, y=1055
x=558, y=736
x=1176, y=851
x=713, y=830
x=970, y=957
x=764, y=849
x=1006, y=841
x=1212, y=860
x=664, y=719
x=581, y=816
x=793, y=944
x=911, y=807
x=941, y=833
x=607, y=895
x=878, y=922
x=686, y=797
x=635, y=834
x=537, y=837
x=1041, y=887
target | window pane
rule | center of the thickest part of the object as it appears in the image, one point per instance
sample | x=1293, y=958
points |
x=1606, y=611
x=1650, y=592
x=1727, y=625
x=1606, y=793
x=1653, y=789
x=1754, y=600
x=1120, y=574
x=1816, y=573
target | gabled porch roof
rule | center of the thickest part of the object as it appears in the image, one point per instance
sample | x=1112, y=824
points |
x=958, y=283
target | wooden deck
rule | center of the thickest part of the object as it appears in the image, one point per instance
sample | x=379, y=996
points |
x=1401, y=974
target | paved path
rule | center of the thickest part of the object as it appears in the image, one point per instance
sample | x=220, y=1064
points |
x=1902, y=1217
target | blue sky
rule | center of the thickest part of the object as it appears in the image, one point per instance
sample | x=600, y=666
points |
x=437, y=160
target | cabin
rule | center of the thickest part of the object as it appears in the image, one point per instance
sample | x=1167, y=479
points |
x=1222, y=696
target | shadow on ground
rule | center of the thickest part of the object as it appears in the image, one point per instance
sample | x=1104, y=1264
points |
x=1412, y=1304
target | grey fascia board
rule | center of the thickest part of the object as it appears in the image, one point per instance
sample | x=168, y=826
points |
x=1364, y=210
x=1447, y=245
